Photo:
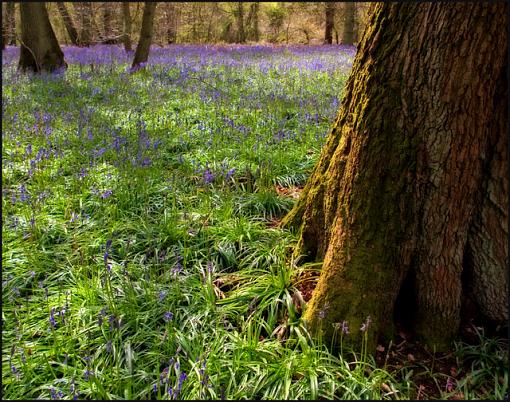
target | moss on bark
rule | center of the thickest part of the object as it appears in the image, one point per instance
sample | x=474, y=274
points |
x=396, y=185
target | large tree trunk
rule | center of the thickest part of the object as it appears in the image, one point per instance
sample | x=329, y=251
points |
x=411, y=186
x=144, y=44
x=40, y=50
x=126, y=27
x=330, y=22
x=348, y=23
x=68, y=23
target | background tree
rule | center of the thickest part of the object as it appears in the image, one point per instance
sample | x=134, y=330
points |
x=126, y=19
x=10, y=23
x=108, y=17
x=68, y=23
x=144, y=43
x=241, y=37
x=329, y=9
x=4, y=27
x=254, y=13
x=171, y=22
x=40, y=50
x=407, y=204
x=84, y=11
x=349, y=17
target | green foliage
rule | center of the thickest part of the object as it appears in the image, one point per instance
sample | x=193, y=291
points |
x=137, y=225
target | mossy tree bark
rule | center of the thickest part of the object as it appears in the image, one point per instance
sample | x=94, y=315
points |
x=144, y=43
x=330, y=22
x=411, y=187
x=68, y=23
x=40, y=50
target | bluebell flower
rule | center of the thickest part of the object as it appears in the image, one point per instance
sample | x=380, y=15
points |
x=24, y=196
x=163, y=377
x=53, y=323
x=168, y=316
x=208, y=176
x=106, y=194
x=230, y=173
x=87, y=374
x=162, y=295
x=344, y=328
x=365, y=325
x=83, y=173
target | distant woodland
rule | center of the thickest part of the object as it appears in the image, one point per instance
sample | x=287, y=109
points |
x=88, y=23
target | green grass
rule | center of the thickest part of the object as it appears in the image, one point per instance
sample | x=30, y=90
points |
x=204, y=248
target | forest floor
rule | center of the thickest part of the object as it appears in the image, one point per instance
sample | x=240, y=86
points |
x=142, y=256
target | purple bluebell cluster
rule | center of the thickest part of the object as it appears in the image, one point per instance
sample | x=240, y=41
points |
x=99, y=144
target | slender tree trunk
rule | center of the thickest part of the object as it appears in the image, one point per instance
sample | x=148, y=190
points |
x=256, y=29
x=4, y=26
x=171, y=22
x=330, y=22
x=144, y=44
x=126, y=17
x=107, y=23
x=11, y=23
x=411, y=189
x=39, y=48
x=84, y=10
x=241, y=37
x=348, y=19
x=68, y=23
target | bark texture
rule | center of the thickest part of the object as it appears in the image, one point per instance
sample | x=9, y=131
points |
x=68, y=23
x=413, y=175
x=10, y=23
x=126, y=19
x=144, y=44
x=256, y=30
x=330, y=22
x=171, y=22
x=349, y=17
x=40, y=50
x=84, y=10
x=241, y=35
